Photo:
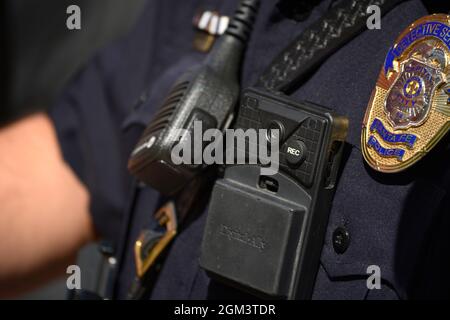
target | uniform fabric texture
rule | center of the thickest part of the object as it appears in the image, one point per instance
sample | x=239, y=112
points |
x=396, y=221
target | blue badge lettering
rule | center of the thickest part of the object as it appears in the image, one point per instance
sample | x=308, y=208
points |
x=384, y=152
x=447, y=91
x=386, y=135
x=429, y=29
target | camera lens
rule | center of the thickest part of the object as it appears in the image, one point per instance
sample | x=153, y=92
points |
x=272, y=134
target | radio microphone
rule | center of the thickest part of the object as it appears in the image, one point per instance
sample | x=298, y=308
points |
x=206, y=93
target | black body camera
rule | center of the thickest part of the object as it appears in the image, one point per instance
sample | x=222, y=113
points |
x=264, y=234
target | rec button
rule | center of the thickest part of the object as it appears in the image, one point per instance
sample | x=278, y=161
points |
x=295, y=153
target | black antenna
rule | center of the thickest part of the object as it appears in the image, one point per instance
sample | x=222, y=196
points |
x=227, y=53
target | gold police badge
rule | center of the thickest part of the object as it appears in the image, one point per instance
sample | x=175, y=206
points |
x=409, y=110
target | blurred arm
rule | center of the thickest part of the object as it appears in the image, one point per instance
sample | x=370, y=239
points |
x=44, y=214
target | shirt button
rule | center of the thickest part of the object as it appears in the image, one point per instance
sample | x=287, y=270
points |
x=341, y=240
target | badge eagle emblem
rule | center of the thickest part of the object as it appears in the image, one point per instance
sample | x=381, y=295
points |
x=409, y=110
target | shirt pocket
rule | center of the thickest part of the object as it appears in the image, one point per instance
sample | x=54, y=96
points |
x=387, y=217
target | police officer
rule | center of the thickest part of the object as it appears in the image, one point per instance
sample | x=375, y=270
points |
x=64, y=180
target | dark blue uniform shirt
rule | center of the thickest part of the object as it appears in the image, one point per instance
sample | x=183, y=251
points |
x=396, y=221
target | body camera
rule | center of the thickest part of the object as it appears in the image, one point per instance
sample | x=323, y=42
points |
x=264, y=233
